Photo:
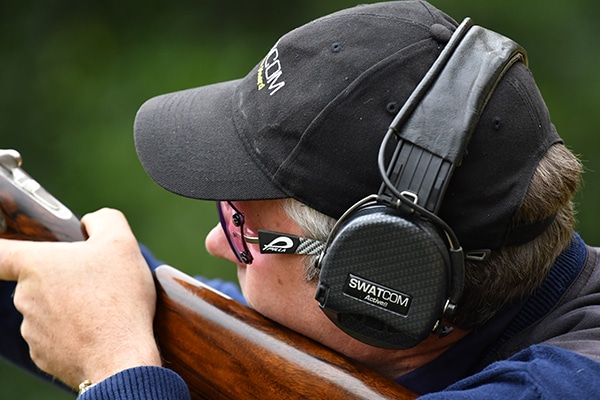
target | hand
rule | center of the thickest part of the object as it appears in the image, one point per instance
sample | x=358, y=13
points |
x=88, y=307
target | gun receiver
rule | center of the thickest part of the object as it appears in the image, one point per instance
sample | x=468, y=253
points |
x=29, y=212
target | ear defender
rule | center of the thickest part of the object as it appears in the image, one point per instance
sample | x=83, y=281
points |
x=392, y=270
x=385, y=277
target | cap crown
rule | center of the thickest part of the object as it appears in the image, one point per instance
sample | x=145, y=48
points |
x=313, y=112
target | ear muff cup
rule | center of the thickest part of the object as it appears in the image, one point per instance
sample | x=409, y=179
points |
x=385, y=277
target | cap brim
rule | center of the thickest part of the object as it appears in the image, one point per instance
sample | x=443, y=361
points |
x=188, y=143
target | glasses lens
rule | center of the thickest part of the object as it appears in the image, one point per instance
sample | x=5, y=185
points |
x=232, y=222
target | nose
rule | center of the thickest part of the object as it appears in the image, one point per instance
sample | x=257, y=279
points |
x=217, y=245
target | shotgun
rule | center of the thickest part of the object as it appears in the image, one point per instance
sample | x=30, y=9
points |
x=221, y=348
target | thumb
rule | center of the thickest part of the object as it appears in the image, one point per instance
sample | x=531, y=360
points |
x=105, y=222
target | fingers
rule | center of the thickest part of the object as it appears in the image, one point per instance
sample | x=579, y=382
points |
x=16, y=255
x=79, y=299
x=11, y=263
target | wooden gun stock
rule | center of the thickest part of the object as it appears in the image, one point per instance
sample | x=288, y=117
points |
x=221, y=348
x=242, y=355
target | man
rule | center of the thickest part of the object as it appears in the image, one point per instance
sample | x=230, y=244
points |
x=289, y=149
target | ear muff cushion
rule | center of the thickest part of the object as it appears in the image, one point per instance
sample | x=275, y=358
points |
x=384, y=278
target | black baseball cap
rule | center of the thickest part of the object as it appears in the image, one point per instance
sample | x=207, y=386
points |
x=307, y=122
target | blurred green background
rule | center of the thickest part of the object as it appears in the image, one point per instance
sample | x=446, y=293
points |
x=73, y=74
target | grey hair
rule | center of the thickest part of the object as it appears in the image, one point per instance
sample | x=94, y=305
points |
x=313, y=224
x=514, y=272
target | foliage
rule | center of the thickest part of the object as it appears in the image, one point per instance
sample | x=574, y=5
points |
x=73, y=74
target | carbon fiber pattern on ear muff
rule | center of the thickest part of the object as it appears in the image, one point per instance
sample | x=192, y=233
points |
x=390, y=254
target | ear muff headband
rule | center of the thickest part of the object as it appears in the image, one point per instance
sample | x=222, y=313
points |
x=441, y=114
x=391, y=268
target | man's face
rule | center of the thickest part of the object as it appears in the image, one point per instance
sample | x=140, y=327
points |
x=273, y=284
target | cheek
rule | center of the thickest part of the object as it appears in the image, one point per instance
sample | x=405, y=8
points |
x=274, y=285
x=268, y=275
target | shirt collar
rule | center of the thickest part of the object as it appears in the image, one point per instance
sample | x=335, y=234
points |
x=478, y=349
